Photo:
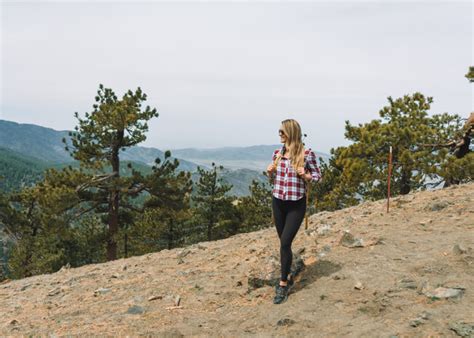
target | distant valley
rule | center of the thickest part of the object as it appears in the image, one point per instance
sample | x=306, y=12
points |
x=26, y=150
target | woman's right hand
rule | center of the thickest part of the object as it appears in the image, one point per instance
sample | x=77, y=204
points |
x=270, y=168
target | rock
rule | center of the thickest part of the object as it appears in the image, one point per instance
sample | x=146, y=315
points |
x=177, y=300
x=285, y=322
x=459, y=250
x=358, y=286
x=24, y=287
x=425, y=315
x=437, y=206
x=421, y=319
x=115, y=275
x=54, y=292
x=441, y=292
x=407, y=283
x=416, y=322
x=101, y=291
x=426, y=221
x=462, y=329
x=326, y=249
x=324, y=229
x=348, y=240
x=135, y=310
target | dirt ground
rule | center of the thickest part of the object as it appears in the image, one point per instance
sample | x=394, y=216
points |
x=406, y=273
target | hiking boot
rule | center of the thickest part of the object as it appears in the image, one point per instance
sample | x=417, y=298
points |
x=281, y=294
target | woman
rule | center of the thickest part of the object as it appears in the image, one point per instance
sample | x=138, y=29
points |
x=291, y=169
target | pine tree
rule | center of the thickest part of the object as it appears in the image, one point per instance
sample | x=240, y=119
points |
x=159, y=223
x=211, y=200
x=113, y=126
x=256, y=209
x=360, y=170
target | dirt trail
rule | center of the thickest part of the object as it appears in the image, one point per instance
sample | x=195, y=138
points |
x=390, y=279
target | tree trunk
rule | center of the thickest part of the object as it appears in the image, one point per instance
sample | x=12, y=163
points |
x=114, y=203
x=126, y=245
x=405, y=182
x=170, y=234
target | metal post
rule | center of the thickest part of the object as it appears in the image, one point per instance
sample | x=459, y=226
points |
x=389, y=175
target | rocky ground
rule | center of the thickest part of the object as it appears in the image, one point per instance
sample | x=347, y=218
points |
x=362, y=273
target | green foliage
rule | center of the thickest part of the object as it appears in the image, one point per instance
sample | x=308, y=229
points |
x=212, y=204
x=43, y=237
x=256, y=210
x=33, y=231
x=113, y=126
x=470, y=74
x=360, y=170
x=161, y=222
x=18, y=171
x=328, y=194
x=458, y=170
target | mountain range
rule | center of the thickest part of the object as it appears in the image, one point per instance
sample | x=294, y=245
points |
x=26, y=150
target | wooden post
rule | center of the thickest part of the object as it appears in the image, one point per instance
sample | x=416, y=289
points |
x=389, y=175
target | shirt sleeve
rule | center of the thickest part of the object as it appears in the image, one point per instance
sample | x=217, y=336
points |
x=312, y=165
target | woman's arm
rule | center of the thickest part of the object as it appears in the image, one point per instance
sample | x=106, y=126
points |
x=312, y=164
x=271, y=167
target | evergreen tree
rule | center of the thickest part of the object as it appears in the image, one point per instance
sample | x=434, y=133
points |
x=159, y=223
x=41, y=222
x=211, y=200
x=256, y=209
x=113, y=126
x=360, y=170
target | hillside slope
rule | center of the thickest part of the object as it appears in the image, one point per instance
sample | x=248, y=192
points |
x=18, y=171
x=46, y=145
x=390, y=281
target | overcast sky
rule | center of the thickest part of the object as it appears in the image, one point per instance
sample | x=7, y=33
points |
x=226, y=74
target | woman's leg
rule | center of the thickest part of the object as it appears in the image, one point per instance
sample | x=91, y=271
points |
x=294, y=217
x=279, y=213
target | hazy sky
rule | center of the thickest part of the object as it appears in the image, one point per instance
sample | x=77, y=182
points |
x=227, y=73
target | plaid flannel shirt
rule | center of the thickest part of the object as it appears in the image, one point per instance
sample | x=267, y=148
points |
x=287, y=185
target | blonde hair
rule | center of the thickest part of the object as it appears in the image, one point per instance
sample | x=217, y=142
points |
x=292, y=130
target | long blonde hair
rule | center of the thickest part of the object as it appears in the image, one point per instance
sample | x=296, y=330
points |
x=292, y=130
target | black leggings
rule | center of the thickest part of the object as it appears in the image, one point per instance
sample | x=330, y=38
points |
x=288, y=217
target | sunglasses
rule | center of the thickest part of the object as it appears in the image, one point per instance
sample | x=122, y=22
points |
x=281, y=133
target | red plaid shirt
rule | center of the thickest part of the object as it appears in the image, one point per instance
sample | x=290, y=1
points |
x=287, y=184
